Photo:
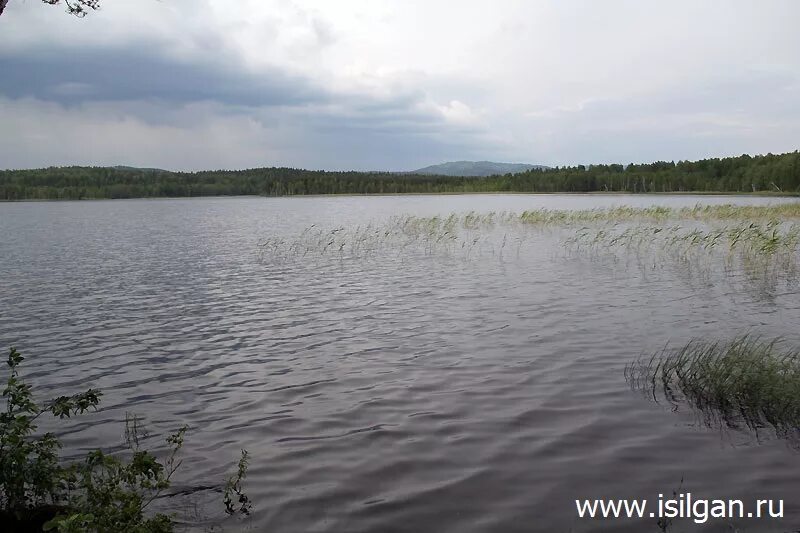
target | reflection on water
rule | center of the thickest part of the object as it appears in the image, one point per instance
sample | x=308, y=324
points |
x=411, y=392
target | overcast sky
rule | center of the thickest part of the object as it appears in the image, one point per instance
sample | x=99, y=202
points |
x=396, y=85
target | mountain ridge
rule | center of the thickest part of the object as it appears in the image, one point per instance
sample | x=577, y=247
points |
x=476, y=168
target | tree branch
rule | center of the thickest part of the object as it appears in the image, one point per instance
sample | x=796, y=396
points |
x=74, y=7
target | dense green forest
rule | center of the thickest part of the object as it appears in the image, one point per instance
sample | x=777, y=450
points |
x=775, y=173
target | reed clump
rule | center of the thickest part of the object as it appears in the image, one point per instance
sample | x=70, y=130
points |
x=751, y=233
x=707, y=213
x=751, y=239
x=404, y=235
x=746, y=381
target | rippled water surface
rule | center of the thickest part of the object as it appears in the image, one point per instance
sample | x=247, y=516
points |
x=456, y=392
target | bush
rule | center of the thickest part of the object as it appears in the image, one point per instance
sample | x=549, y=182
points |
x=103, y=493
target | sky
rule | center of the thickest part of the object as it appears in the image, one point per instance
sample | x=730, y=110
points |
x=396, y=85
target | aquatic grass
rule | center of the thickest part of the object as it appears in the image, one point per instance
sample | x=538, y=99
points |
x=660, y=214
x=757, y=239
x=752, y=238
x=746, y=381
x=407, y=234
x=762, y=250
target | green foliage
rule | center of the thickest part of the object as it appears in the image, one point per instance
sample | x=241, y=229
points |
x=102, y=493
x=30, y=474
x=771, y=173
x=112, y=494
x=233, y=489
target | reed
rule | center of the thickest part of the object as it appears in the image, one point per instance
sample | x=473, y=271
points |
x=403, y=235
x=746, y=381
x=660, y=214
x=758, y=236
x=767, y=239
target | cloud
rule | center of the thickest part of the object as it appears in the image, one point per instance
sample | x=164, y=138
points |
x=145, y=74
x=182, y=107
x=458, y=112
x=387, y=85
x=751, y=112
x=208, y=135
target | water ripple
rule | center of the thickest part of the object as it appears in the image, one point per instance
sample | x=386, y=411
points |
x=400, y=394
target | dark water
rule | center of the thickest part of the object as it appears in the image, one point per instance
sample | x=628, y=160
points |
x=395, y=393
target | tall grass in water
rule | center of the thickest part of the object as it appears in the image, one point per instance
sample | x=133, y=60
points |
x=705, y=213
x=761, y=236
x=762, y=254
x=403, y=235
x=747, y=240
x=744, y=381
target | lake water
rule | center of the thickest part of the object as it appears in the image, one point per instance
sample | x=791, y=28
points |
x=400, y=392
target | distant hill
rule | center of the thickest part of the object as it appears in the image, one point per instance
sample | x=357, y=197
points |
x=138, y=169
x=475, y=168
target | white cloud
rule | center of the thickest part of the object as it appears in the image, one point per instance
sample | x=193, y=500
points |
x=458, y=112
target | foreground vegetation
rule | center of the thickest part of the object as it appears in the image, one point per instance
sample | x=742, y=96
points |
x=768, y=173
x=101, y=494
x=746, y=381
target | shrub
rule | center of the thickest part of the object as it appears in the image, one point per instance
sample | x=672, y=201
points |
x=102, y=493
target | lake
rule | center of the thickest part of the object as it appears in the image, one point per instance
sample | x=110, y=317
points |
x=405, y=390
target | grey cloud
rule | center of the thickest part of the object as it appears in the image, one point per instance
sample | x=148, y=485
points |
x=760, y=93
x=202, y=136
x=82, y=75
x=339, y=146
x=121, y=97
x=753, y=112
x=155, y=89
x=535, y=82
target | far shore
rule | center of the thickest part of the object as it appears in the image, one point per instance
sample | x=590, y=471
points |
x=773, y=194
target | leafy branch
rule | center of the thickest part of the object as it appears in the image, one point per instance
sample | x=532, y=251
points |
x=102, y=493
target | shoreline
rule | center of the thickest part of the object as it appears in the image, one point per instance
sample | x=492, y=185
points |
x=757, y=194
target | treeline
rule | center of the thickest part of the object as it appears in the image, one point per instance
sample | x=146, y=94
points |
x=776, y=173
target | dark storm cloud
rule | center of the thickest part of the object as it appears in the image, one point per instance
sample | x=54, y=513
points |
x=139, y=105
x=84, y=75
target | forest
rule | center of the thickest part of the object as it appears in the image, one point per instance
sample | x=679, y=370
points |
x=743, y=174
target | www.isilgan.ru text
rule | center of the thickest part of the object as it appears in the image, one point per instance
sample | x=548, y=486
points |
x=680, y=506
